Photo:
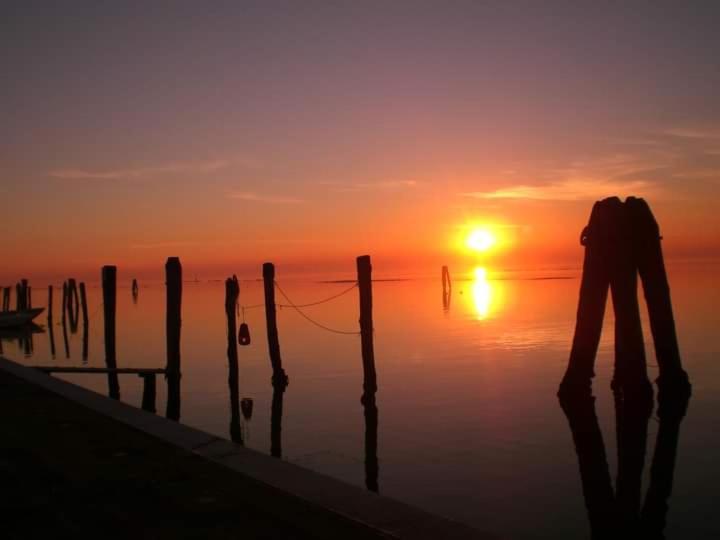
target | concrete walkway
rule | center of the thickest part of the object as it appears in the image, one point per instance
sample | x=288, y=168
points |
x=81, y=465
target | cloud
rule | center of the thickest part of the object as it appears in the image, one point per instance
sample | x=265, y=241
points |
x=141, y=172
x=270, y=199
x=568, y=190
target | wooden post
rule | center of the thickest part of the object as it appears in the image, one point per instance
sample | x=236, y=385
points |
x=232, y=293
x=6, y=299
x=50, y=305
x=29, y=297
x=83, y=303
x=370, y=411
x=18, y=297
x=593, y=298
x=279, y=374
x=446, y=279
x=276, y=413
x=109, y=286
x=64, y=302
x=364, y=273
x=149, y=392
x=173, y=283
x=630, y=365
x=51, y=333
x=657, y=293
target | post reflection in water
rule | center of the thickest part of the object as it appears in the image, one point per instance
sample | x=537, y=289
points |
x=619, y=513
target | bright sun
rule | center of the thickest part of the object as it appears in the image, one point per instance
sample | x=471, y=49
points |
x=480, y=240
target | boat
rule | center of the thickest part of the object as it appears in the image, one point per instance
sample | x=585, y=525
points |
x=14, y=319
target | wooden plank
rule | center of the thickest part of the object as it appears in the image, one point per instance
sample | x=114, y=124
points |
x=103, y=370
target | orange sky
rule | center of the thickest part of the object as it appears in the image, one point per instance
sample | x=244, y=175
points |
x=306, y=137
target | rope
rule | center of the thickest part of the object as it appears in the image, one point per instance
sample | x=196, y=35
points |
x=333, y=297
x=297, y=308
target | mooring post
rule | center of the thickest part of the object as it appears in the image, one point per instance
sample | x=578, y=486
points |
x=276, y=413
x=630, y=364
x=279, y=374
x=364, y=273
x=64, y=302
x=18, y=297
x=50, y=305
x=135, y=290
x=593, y=297
x=370, y=411
x=149, y=392
x=232, y=294
x=173, y=284
x=109, y=287
x=6, y=299
x=657, y=293
x=446, y=279
x=29, y=297
x=83, y=303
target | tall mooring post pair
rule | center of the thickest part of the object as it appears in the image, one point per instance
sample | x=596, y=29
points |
x=622, y=240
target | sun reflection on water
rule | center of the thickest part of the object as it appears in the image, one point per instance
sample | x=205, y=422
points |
x=484, y=295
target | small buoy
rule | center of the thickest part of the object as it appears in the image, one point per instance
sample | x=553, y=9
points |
x=246, y=406
x=244, y=334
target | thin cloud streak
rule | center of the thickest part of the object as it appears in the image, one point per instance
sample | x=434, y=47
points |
x=343, y=187
x=270, y=199
x=568, y=190
x=141, y=172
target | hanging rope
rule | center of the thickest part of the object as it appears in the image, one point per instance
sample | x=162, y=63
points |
x=319, y=325
x=333, y=297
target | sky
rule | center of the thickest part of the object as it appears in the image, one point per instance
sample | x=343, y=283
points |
x=307, y=133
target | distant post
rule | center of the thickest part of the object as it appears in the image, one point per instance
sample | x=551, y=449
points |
x=83, y=303
x=109, y=286
x=6, y=299
x=364, y=273
x=50, y=305
x=173, y=284
x=279, y=374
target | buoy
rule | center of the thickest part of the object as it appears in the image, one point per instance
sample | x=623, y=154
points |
x=246, y=406
x=244, y=334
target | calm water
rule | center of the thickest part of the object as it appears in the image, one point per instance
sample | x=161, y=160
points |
x=469, y=425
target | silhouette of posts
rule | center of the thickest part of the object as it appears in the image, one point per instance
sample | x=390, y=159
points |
x=173, y=283
x=446, y=283
x=276, y=412
x=279, y=376
x=621, y=240
x=232, y=294
x=28, y=293
x=109, y=287
x=83, y=303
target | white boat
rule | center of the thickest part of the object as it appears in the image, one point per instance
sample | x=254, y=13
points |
x=13, y=319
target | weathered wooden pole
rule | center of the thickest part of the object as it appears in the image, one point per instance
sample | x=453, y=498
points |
x=109, y=287
x=276, y=413
x=364, y=273
x=51, y=333
x=50, y=305
x=370, y=411
x=19, y=297
x=232, y=294
x=173, y=284
x=593, y=297
x=279, y=375
x=64, y=302
x=149, y=392
x=83, y=303
x=630, y=365
x=29, y=297
x=25, y=294
x=446, y=279
x=6, y=299
x=656, y=288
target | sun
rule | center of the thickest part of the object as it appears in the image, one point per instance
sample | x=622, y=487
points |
x=480, y=240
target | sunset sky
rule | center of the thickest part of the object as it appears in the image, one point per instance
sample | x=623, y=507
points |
x=306, y=133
